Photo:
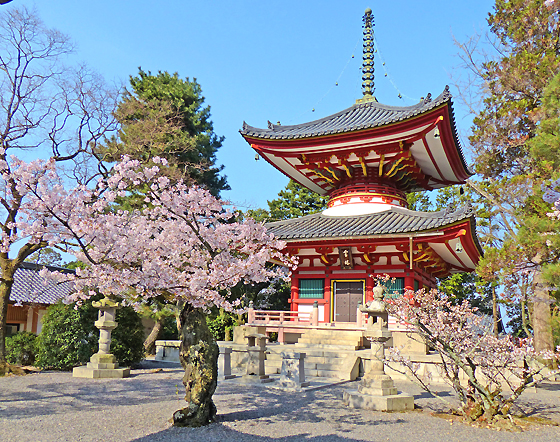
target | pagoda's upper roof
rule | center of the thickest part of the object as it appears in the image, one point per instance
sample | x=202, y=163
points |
x=357, y=117
x=411, y=148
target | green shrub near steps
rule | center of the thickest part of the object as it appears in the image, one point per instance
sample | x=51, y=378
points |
x=69, y=337
x=21, y=348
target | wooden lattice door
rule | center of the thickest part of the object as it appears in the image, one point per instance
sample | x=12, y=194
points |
x=347, y=296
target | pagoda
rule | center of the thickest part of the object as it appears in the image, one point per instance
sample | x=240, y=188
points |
x=367, y=158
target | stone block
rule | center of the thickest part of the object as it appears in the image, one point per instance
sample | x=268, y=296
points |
x=396, y=402
x=292, y=375
x=224, y=364
x=103, y=358
x=102, y=366
x=409, y=343
x=240, y=332
x=167, y=350
x=93, y=373
x=257, y=379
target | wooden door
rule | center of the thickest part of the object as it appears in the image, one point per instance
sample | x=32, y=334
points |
x=347, y=295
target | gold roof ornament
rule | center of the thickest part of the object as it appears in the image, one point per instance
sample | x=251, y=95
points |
x=368, y=68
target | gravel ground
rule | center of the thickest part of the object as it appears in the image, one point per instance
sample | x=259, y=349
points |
x=53, y=406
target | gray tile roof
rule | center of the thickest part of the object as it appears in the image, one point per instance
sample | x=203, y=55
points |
x=394, y=221
x=359, y=116
x=30, y=288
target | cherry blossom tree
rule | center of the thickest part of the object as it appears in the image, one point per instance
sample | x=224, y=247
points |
x=51, y=109
x=488, y=373
x=183, y=245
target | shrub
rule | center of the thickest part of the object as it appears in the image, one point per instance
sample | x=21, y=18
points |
x=127, y=342
x=21, y=348
x=69, y=337
x=221, y=325
x=65, y=340
x=169, y=331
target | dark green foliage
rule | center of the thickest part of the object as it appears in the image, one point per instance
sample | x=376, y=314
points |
x=69, y=338
x=64, y=342
x=46, y=256
x=221, y=324
x=169, y=330
x=545, y=146
x=556, y=328
x=292, y=202
x=296, y=201
x=419, y=201
x=468, y=286
x=164, y=115
x=21, y=348
x=127, y=342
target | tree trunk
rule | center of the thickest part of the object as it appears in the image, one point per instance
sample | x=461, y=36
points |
x=150, y=342
x=5, y=289
x=199, y=358
x=542, y=319
x=495, y=311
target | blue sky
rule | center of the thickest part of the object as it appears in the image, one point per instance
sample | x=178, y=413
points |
x=277, y=61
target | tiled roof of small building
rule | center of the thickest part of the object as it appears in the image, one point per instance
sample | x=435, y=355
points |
x=357, y=117
x=30, y=288
x=393, y=221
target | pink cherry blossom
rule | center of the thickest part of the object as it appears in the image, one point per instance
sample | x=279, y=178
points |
x=482, y=369
x=184, y=244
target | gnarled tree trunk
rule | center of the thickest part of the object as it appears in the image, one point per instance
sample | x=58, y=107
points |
x=199, y=357
x=5, y=290
x=150, y=342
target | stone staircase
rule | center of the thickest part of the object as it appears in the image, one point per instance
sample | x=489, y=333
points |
x=335, y=363
x=325, y=338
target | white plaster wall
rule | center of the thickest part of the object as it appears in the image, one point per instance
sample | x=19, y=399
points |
x=40, y=320
x=29, y=325
x=307, y=308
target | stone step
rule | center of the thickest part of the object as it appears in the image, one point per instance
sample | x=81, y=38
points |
x=318, y=338
x=336, y=331
x=341, y=366
x=332, y=366
x=348, y=347
x=322, y=341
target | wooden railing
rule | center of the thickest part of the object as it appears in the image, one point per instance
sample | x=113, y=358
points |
x=277, y=320
x=279, y=317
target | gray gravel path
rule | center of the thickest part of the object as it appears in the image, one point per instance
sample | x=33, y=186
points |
x=54, y=406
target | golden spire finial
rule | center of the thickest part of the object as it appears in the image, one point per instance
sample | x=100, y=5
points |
x=367, y=63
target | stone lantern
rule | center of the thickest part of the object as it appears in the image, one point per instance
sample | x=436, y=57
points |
x=103, y=364
x=377, y=390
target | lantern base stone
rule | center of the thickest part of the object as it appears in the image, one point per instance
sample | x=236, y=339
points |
x=101, y=366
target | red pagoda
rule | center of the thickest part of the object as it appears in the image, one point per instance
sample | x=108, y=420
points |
x=366, y=159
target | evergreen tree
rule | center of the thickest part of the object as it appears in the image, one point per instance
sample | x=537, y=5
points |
x=163, y=115
x=524, y=55
x=292, y=202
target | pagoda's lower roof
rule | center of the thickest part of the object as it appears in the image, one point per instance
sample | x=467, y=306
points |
x=441, y=237
x=395, y=220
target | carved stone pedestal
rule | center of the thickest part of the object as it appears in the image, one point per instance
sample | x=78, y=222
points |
x=292, y=375
x=224, y=364
x=256, y=355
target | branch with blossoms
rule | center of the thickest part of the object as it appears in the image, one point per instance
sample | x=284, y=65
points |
x=182, y=243
x=467, y=347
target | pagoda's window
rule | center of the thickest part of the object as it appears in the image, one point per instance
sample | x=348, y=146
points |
x=311, y=288
x=395, y=287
